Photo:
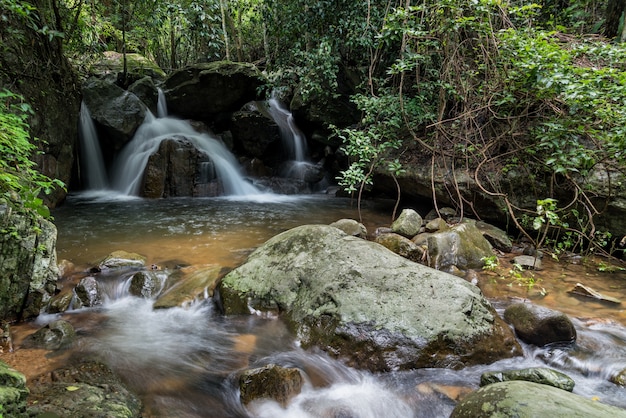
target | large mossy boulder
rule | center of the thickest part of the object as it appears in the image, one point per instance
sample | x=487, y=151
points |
x=463, y=246
x=13, y=392
x=28, y=270
x=201, y=90
x=525, y=399
x=357, y=300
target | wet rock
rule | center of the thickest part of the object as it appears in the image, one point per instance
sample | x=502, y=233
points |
x=84, y=390
x=198, y=285
x=436, y=225
x=147, y=92
x=13, y=392
x=463, y=247
x=539, y=375
x=255, y=133
x=54, y=336
x=199, y=90
x=401, y=246
x=88, y=293
x=528, y=262
x=619, y=378
x=270, y=382
x=28, y=270
x=496, y=236
x=539, y=325
x=146, y=284
x=444, y=213
x=283, y=185
x=358, y=300
x=122, y=259
x=117, y=113
x=586, y=291
x=61, y=302
x=527, y=399
x=177, y=169
x=408, y=224
x=455, y=393
x=6, y=341
x=351, y=227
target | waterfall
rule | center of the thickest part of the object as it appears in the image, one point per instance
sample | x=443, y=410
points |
x=161, y=105
x=130, y=165
x=92, y=164
x=292, y=137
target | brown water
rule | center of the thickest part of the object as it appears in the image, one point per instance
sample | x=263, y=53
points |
x=183, y=361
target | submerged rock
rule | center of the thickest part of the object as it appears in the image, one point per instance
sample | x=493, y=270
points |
x=540, y=375
x=270, y=382
x=586, y=291
x=54, y=336
x=516, y=399
x=539, y=325
x=84, y=390
x=358, y=300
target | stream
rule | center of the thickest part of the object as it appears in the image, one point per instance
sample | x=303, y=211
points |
x=182, y=362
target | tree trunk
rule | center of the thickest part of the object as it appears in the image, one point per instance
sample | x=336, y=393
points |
x=614, y=11
x=224, y=27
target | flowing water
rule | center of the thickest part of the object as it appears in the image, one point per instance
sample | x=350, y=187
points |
x=183, y=361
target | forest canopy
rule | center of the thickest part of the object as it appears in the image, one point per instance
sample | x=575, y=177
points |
x=489, y=85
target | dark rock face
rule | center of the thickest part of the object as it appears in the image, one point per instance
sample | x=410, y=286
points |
x=117, y=113
x=272, y=382
x=147, y=92
x=83, y=390
x=358, y=300
x=526, y=399
x=200, y=90
x=255, y=134
x=178, y=169
x=28, y=271
x=538, y=325
x=34, y=66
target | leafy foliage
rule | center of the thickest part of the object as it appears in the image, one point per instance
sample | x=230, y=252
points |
x=20, y=182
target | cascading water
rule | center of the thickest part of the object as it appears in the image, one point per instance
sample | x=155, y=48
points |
x=131, y=162
x=293, y=138
x=129, y=165
x=92, y=165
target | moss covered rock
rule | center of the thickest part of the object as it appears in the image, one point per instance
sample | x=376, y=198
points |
x=356, y=299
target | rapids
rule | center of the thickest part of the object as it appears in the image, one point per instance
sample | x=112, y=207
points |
x=183, y=361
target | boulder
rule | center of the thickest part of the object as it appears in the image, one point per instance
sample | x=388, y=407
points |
x=199, y=284
x=116, y=112
x=589, y=293
x=137, y=66
x=401, y=246
x=408, y=224
x=270, y=382
x=496, y=236
x=540, y=375
x=146, y=284
x=54, y=336
x=13, y=392
x=528, y=262
x=539, y=325
x=147, y=92
x=28, y=268
x=358, y=300
x=255, y=134
x=88, y=293
x=179, y=169
x=463, y=247
x=436, y=225
x=200, y=90
x=122, y=259
x=351, y=227
x=527, y=399
x=87, y=389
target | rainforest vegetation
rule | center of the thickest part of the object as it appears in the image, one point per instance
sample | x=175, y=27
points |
x=486, y=85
